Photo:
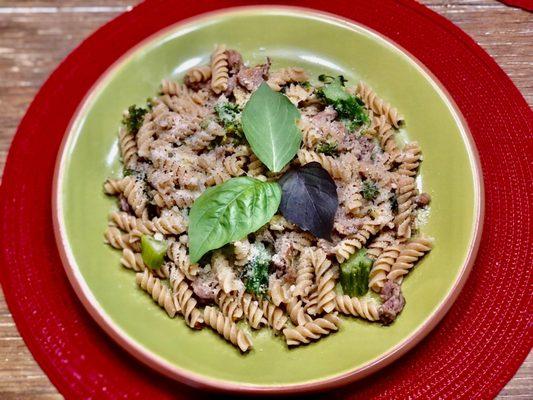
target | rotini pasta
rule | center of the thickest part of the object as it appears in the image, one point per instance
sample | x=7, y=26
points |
x=378, y=106
x=227, y=328
x=252, y=311
x=326, y=275
x=198, y=74
x=382, y=266
x=184, y=300
x=405, y=200
x=230, y=306
x=191, y=137
x=358, y=307
x=275, y=317
x=311, y=330
x=219, y=69
x=285, y=76
x=409, y=255
x=159, y=292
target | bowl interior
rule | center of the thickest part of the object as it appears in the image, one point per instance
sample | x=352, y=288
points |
x=321, y=44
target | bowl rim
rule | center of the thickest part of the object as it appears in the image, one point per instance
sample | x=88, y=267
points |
x=197, y=380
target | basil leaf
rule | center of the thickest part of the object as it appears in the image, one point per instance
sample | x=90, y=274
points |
x=229, y=212
x=309, y=199
x=269, y=124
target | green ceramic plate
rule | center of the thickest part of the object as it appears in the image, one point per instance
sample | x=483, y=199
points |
x=322, y=44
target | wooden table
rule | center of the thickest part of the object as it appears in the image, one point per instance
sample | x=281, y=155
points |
x=36, y=34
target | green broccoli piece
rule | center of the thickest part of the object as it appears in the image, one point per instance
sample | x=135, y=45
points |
x=229, y=115
x=349, y=108
x=128, y=172
x=370, y=190
x=255, y=274
x=134, y=119
x=354, y=274
x=328, y=148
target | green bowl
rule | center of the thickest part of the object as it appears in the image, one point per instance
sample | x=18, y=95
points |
x=322, y=44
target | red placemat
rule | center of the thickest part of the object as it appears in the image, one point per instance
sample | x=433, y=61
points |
x=525, y=4
x=473, y=352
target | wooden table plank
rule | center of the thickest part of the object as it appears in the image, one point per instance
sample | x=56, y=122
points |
x=36, y=34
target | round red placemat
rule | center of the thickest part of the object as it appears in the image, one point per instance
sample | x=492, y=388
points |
x=525, y=4
x=473, y=352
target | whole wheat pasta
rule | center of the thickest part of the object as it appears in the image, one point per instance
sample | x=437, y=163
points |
x=191, y=137
x=274, y=316
x=184, y=300
x=382, y=266
x=219, y=69
x=159, y=292
x=311, y=330
x=227, y=328
x=198, y=74
x=410, y=253
x=378, y=105
x=363, y=308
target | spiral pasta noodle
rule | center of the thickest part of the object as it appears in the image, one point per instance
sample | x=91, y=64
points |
x=405, y=197
x=346, y=247
x=311, y=330
x=227, y=328
x=177, y=252
x=358, y=307
x=335, y=169
x=252, y=311
x=159, y=292
x=410, y=159
x=183, y=299
x=119, y=240
x=134, y=261
x=409, y=255
x=279, y=293
x=128, y=147
x=305, y=275
x=382, y=266
x=230, y=305
x=379, y=244
x=378, y=105
x=386, y=136
x=274, y=316
x=129, y=223
x=297, y=312
x=198, y=74
x=219, y=69
x=326, y=275
x=285, y=76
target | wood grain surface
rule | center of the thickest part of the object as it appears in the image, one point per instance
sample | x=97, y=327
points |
x=35, y=35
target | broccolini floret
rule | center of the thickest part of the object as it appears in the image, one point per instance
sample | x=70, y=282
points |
x=229, y=115
x=134, y=119
x=354, y=274
x=370, y=190
x=329, y=148
x=349, y=108
x=255, y=274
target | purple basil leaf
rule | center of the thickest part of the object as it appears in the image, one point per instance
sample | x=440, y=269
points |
x=309, y=199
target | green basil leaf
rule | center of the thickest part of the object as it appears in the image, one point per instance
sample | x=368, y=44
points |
x=228, y=212
x=269, y=124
